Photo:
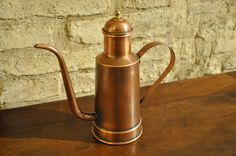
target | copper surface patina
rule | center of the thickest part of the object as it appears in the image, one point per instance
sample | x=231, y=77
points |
x=117, y=119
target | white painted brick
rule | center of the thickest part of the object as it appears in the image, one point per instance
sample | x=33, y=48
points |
x=144, y=27
x=144, y=3
x=207, y=6
x=87, y=31
x=22, y=9
x=83, y=82
x=225, y=45
x=29, y=88
x=26, y=33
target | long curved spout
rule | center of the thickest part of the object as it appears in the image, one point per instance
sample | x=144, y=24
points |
x=67, y=83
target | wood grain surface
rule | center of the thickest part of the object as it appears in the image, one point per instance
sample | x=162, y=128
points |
x=184, y=118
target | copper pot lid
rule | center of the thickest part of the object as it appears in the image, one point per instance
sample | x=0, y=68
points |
x=117, y=26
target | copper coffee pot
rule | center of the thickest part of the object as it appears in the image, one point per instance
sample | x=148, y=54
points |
x=117, y=118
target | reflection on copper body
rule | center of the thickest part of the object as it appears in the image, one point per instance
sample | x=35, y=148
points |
x=117, y=119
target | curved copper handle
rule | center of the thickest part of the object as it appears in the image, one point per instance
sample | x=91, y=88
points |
x=164, y=74
x=67, y=83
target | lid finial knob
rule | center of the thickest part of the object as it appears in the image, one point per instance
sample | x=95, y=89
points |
x=117, y=14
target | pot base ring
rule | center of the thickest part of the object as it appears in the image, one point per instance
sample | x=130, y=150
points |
x=117, y=137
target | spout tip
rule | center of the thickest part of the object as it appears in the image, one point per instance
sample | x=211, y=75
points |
x=36, y=45
x=48, y=47
x=40, y=46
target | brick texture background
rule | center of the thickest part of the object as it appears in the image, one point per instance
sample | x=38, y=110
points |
x=201, y=32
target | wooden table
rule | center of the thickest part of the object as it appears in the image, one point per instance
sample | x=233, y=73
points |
x=185, y=118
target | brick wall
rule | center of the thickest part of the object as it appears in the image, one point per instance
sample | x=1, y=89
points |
x=201, y=32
